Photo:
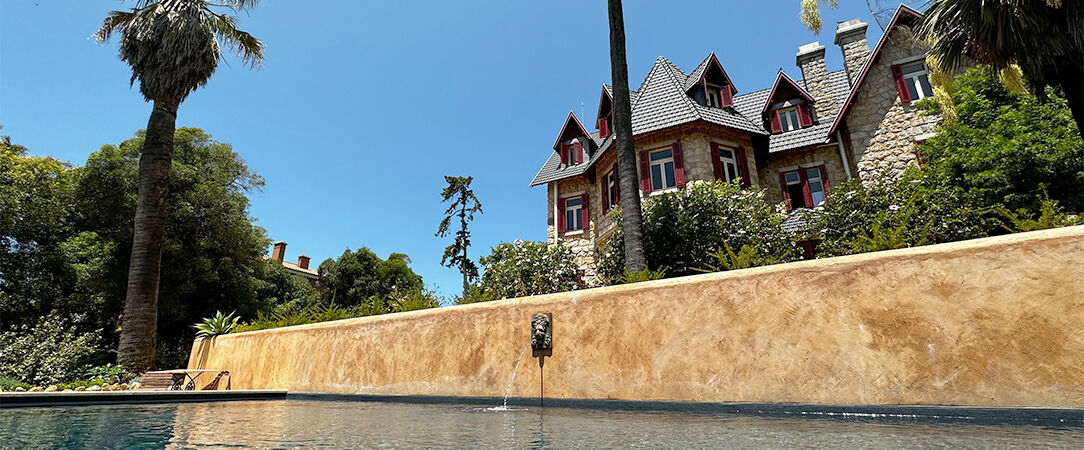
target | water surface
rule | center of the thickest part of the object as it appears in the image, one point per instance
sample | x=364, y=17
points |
x=326, y=423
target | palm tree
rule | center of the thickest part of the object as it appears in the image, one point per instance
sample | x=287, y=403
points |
x=173, y=48
x=631, y=216
x=1045, y=38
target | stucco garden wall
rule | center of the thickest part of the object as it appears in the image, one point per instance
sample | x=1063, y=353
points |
x=992, y=322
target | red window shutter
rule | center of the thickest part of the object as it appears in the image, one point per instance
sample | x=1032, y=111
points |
x=824, y=180
x=716, y=165
x=786, y=192
x=561, y=219
x=603, y=128
x=577, y=148
x=901, y=85
x=805, y=188
x=586, y=212
x=743, y=166
x=679, y=165
x=803, y=115
x=604, y=200
x=564, y=153
x=645, y=172
x=704, y=82
x=776, y=125
x=727, y=96
x=615, y=196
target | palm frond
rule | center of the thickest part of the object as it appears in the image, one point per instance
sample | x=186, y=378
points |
x=115, y=21
x=246, y=46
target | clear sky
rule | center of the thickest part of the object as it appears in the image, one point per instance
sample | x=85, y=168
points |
x=363, y=106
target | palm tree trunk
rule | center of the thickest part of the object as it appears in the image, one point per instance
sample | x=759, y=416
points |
x=1072, y=84
x=140, y=320
x=631, y=216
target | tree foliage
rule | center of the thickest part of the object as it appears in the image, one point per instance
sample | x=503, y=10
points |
x=1008, y=149
x=523, y=268
x=66, y=233
x=463, y=207
x=683, y=229
x=358, y=276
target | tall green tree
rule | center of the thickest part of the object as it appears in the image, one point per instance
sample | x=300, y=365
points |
x=464, y=205
x=358, y=276
x=1045, y=38
x=173, y=48
x=631, y=218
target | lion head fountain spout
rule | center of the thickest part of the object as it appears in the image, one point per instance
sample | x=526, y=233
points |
x=542, y=334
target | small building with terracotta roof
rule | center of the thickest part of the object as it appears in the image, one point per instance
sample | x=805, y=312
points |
x=300, y=269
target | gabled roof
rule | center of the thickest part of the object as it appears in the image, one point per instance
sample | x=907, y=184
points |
x=901, y=12
x=783, y=78
x=553, y=170
x=663, y=103
x=698, y=73
x=568, y=131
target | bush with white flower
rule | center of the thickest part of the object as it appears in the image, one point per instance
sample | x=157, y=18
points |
x=524, y=268
x=684, y=229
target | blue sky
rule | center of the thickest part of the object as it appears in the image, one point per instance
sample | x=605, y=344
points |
x=362, y=106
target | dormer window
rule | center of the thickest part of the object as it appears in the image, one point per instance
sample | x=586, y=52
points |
x=788, y=119
x=571, y=152
x=790, y=116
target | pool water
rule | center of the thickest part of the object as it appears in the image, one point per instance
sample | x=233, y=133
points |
x=336, y=424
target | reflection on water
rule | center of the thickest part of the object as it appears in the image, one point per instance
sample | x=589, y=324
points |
x=311, y=423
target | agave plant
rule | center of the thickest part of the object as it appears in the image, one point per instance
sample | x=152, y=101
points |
x=216, y=325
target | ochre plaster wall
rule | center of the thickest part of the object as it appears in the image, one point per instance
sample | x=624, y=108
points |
x=991, y=322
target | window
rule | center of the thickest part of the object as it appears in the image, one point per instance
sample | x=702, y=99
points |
x=728, y=161
x=612, y=190
x=917, y=78
x=713, y=99
x=574, y=214
x=788, y=118
x=662, y=170
x=571, y=148
x=805, y=187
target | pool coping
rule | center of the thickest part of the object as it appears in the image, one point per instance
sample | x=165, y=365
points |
x=984, y=415
x=46, y=399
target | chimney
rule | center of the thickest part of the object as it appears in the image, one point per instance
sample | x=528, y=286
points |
x=851, y=39
x=303, y=261
x=810, y=59
x=279, y=252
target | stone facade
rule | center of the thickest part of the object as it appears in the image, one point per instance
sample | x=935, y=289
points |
x=810, y=59
x=851, y=39
x=696, y=142
x=883, y=129
x=826, y=155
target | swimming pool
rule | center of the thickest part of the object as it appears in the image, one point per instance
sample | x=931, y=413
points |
x=314, y=422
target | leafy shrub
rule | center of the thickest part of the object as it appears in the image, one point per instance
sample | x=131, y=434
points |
x=110, y=373
x=50, y=352
x=683, y=229
x=9, y=384
x=216, y=325
x=1008, y=149
x=746, y=257
x=886, y=212
x=413, y=301
x=524, y=268
x=82, y=383
x=643, y=275
x=475, y=294
x=1050, y=215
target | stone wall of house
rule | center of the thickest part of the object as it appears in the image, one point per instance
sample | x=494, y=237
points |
x=582, y=242
x=882, y=128
x=806, y=157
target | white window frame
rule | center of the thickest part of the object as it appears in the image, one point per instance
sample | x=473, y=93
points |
x=787, y=115
x=570, y=145
x=809, y=183
x=662, y=169
x=569, y=210
x=713, y=99
x=732, y=161
x=913, y=78
x=611, y=188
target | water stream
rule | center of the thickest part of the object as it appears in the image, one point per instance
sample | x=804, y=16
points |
x=508, y=389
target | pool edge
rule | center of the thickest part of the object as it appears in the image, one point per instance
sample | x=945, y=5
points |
x=48, y=399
